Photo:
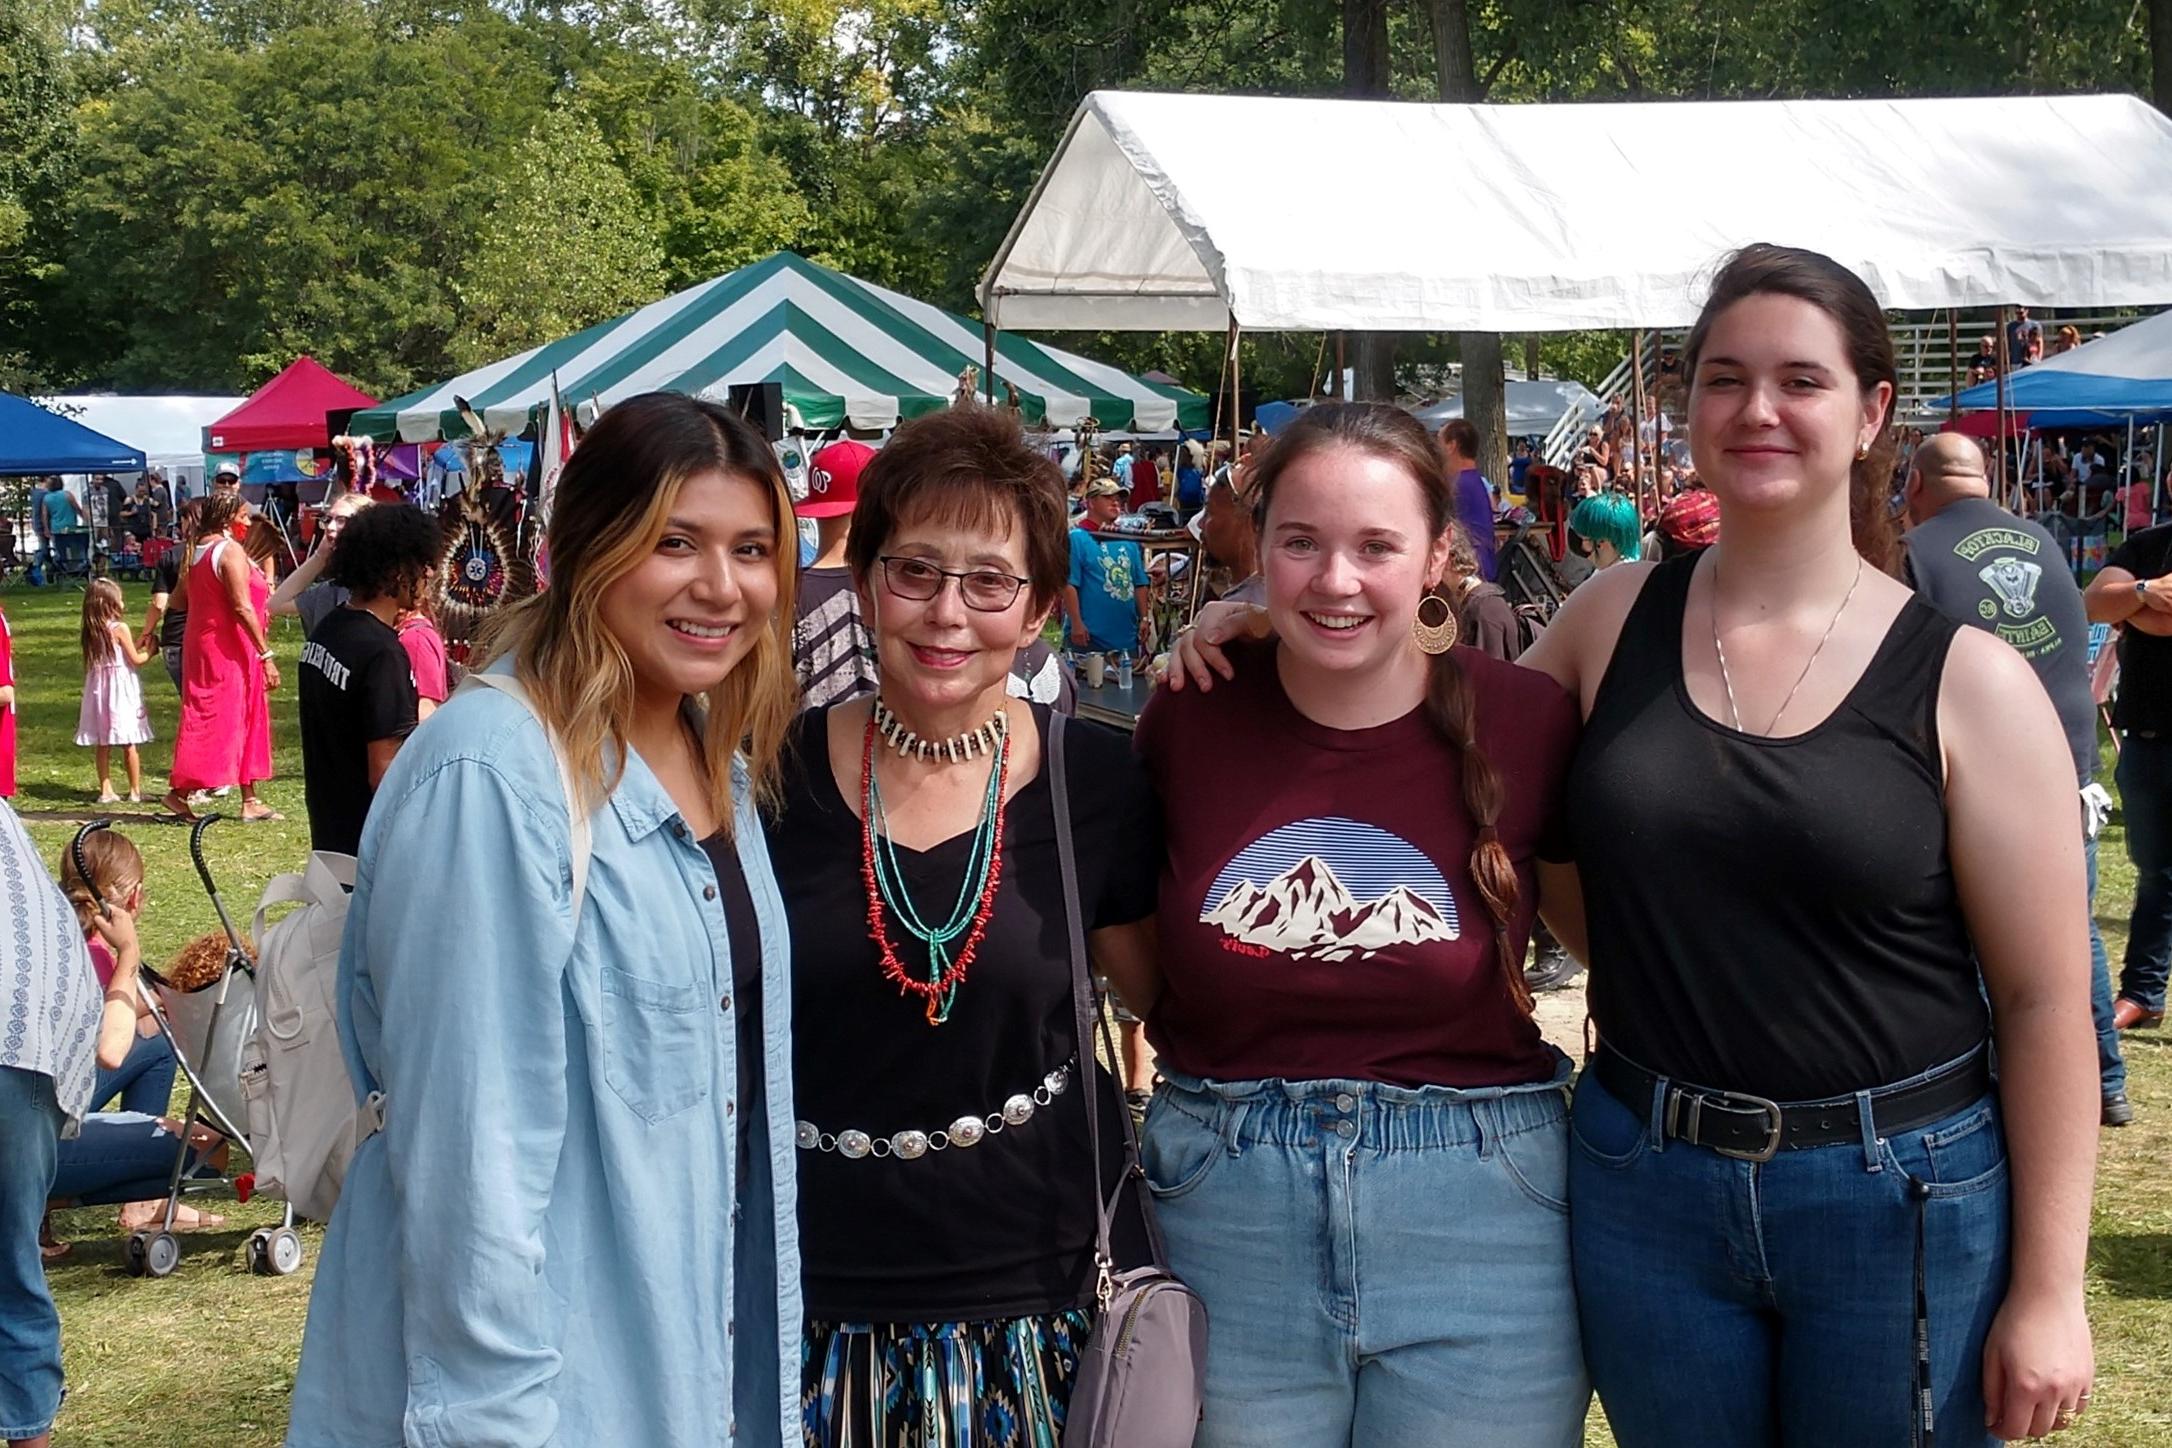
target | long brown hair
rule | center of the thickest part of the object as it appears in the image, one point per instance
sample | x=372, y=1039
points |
x=102, y=606
x=1762, y=269
x=1393, y=434
x=116, y=868
x=612, y=502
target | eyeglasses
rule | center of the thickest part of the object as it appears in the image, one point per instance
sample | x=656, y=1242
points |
x=985, y=590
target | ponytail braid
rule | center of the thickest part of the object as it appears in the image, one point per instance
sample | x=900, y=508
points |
x=1452, y=708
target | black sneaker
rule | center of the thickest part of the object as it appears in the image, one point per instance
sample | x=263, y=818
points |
x=1553, y=969
x=2117, y=1111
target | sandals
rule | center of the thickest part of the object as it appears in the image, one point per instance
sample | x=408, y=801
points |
x=176, y=806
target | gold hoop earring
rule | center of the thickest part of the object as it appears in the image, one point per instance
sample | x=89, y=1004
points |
x=1862, y=450
x=1434, y=638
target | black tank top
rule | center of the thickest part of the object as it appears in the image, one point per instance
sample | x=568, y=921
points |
x=1775, y=916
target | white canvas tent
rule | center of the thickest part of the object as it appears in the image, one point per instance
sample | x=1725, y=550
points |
x=168, y=430
x=1165, y=212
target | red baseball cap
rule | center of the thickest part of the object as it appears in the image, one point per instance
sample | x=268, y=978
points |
x=833, y=480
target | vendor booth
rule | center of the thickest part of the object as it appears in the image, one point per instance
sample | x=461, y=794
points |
x=846, y=353
x=2125, y=375
x=1141, y=222
x=38, y=443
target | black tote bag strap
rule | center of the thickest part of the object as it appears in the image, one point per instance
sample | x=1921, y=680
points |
x=1085, y=1008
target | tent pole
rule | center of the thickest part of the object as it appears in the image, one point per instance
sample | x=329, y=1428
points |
x=2005, y=417
x=2156, y=475
x=1236, y=389
x=987, y=372
x=1636, y=429
x=1339, y=364
x=1953, y=365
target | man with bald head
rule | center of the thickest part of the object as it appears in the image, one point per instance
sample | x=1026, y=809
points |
x=1973, y=560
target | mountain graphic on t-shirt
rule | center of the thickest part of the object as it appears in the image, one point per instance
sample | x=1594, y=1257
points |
x=1306, y=912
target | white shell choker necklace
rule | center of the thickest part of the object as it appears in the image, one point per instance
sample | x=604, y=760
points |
x=957, y=749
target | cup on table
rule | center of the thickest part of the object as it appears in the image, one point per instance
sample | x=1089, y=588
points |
x=1097, y=670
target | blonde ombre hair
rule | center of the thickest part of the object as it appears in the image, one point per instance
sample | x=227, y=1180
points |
x=612, y=501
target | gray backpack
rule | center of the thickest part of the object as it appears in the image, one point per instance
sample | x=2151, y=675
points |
x=1143, y=1375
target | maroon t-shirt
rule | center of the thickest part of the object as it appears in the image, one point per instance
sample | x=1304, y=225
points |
x=1318, y=920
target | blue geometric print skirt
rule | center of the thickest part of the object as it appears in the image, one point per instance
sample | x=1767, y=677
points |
x=999, y=1384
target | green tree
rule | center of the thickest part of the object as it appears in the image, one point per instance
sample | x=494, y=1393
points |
x=568, y=244
x=37, y=146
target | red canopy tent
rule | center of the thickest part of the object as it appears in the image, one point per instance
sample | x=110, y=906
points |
x=287, y=412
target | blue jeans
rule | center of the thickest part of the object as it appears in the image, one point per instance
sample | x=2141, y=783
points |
x=2144, y=773
x=1728, y=1304
x=121, y=1156
x=144, y=1081
x=30, y=1377
x=1382, y=1267
x=2111, y=1065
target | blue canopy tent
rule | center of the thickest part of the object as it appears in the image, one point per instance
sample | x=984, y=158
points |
x=2126, y=375
x=34, y=441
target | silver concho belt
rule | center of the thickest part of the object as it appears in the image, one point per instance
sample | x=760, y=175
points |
x=854, y=1144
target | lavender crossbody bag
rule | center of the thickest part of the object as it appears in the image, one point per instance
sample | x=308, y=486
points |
x=1143, y=1374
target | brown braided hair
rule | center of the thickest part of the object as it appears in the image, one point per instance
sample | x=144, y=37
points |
x=1391, y=433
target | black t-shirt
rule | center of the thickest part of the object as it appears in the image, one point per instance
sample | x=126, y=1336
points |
x=744, y=930
x=173, y=623
x=1974, y=561
x=1003, y=1228
x=356, y=686
x=2145, y=661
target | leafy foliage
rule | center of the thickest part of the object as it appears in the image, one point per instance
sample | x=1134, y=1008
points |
x=191, y=191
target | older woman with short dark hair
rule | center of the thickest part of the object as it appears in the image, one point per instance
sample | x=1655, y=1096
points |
x=946, y=1187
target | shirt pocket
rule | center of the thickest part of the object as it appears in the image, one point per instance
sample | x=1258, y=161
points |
x=656, y=1044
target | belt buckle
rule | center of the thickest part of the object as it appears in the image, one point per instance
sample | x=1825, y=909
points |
x=1745, y=1101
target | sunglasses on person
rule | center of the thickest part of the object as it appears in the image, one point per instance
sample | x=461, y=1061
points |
x=985, y=590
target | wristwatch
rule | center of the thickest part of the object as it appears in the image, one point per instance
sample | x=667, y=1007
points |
x=2141, y=588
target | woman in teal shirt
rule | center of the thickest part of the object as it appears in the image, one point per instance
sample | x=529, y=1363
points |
x=577, y=1225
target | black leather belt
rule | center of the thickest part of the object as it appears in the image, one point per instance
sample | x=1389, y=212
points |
x=1752, y=1128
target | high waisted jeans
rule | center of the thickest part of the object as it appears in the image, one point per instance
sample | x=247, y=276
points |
x=1382, y=1267
x=1728, y=1304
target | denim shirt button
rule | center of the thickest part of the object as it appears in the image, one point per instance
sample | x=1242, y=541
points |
x=731, y=1327
x=708, y=892
x=731, y=1108
x=1345, y=1128
x=725, y=1003
x=1346, y=1102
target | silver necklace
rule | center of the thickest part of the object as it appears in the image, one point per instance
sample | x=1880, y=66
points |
x=1734, y=714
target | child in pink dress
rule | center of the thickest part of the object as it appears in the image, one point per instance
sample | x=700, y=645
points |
x=7, y=708
x=112, y=716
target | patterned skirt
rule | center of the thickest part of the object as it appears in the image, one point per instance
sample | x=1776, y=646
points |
x=999, y=1384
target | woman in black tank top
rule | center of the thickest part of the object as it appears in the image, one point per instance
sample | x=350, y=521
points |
x=1805, y=811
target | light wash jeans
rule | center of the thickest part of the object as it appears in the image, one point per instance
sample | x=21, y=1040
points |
x=1383, y=1267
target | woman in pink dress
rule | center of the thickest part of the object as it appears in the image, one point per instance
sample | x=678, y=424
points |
x=7, y=709
x=227, y=669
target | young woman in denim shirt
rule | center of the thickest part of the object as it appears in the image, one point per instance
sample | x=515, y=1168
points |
x=1820, y=827
x=577, y=1223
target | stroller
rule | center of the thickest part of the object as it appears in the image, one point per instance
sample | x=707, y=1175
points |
x=207, y=1025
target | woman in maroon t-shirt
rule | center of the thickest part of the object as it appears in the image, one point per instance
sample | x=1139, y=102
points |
x=1360, y=1145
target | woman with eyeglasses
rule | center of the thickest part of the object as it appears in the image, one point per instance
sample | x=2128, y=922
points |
x=946, y=1185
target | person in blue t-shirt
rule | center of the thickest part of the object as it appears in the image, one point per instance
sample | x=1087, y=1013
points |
x=1105, y=597
x=61, y=514
x=1191, y=483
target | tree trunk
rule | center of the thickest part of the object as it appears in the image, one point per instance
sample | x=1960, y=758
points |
x=1485, y=399
x=2160, y=54
x=1365, y=76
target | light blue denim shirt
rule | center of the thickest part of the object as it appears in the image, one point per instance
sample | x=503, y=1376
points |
x=538, y=1247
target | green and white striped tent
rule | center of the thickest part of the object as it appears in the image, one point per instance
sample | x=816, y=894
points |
x=847, y=353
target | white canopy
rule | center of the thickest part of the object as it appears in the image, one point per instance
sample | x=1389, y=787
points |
x=1163, y=212
x=1533, y=407
x=168, y=430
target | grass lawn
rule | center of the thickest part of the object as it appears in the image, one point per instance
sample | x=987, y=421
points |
x=208, y=1354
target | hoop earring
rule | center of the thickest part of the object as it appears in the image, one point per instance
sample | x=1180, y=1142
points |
x=1434, y=638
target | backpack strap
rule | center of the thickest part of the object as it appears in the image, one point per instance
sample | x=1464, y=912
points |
x=511, y=687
